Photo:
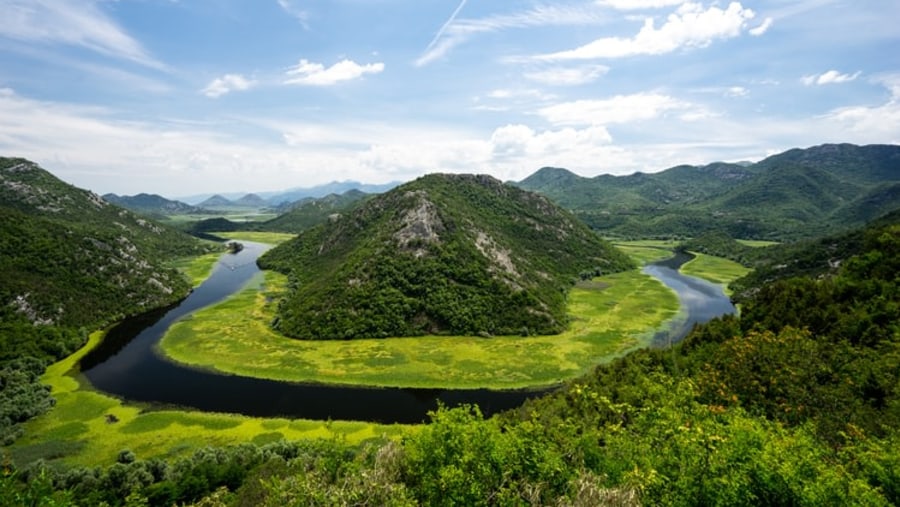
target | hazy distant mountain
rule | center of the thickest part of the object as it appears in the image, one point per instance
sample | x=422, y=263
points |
x=251, y=201
x=801, y=192
x=216, y=201
x=453, y=254
x=281, y=197
x=335, y=187
x=151, y=204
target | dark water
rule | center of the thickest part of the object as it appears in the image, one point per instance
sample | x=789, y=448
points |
x=126, y=364
x=701, y=301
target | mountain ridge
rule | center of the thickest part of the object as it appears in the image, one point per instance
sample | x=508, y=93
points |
x=797, y=193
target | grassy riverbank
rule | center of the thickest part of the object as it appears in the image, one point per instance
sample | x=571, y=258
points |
x=87, y=427
x=714, y=269
x=611, y=316
x=647, y=251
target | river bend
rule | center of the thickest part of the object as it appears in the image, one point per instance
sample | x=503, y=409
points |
x=127, y=365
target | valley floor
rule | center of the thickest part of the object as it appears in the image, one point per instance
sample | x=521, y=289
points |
x=611, y=316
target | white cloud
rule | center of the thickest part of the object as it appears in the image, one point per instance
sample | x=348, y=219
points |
x=872, y=123
x=518, y=94
x=316, y=74
x=437, y=37
x=618, y=109
x=689, y=27
x=227, y=84
x=521, y=141
x=829, y=77
x=630, y=5
x=567, y=76
x=73, y=22
x=457, y=31
x=295, y=11
x=737, y=91
x=761, y=29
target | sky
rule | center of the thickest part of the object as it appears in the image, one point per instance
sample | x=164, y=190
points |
x=180, y=97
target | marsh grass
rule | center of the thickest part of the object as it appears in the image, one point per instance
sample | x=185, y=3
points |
x=87, y=427
x=647, y=251
x=715, y=269
x=755, y=243
x=197, y=269
x=610, y=317
x=269, y=238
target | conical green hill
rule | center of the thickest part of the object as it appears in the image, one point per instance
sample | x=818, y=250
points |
x=444, y=254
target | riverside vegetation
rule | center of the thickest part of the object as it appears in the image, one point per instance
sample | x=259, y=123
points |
x=736, y=415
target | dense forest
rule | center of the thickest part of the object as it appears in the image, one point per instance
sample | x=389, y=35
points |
x=444, y=254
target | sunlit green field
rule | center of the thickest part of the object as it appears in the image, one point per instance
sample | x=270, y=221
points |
x=611, y=317
x=197, y=269
x=272, y=238
x=89, y=428
x=755, y=243
x=715, y=269
x=235, y=215
x=646, y=251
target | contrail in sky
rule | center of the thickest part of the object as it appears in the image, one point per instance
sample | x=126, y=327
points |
x=445, y=25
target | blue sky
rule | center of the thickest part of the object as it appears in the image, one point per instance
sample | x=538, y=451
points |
x=180, y=97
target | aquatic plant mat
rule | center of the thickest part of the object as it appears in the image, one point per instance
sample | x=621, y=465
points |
x=88, y=427
x=610, y=317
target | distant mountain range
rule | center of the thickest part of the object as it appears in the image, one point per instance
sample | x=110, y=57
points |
x=152, y=204
x=798, y=193
x=281, y=197
x=293, y=218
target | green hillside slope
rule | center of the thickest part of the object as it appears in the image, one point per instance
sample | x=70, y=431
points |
x=454, y=254
x=312, y=211
x=798, y=193
x=69, y=258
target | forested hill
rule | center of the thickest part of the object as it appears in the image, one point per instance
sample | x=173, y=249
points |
x=798, y=193
x=71, y=259
x=151, y=204
x=311, y=211
x=449, y=254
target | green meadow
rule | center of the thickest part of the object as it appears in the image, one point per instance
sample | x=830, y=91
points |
x=756, y=243
x=271, y=238
x=647, y=251
x=610, y=317
x=197, y=269
x=87, y=427
x=715, y=269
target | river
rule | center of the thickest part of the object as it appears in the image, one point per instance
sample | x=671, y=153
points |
x=700, y=300
x=127, y=364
